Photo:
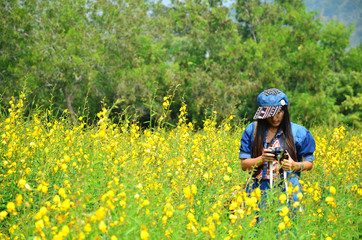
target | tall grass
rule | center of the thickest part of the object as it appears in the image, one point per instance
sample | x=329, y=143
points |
x=118, y=181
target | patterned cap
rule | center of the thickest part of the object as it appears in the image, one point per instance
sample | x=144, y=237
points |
x=270, y=103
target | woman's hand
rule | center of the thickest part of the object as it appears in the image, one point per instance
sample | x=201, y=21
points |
x=289, y=164
x=267, y=156
x=252, y=163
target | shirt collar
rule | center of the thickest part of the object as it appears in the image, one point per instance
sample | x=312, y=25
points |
x=277, y=135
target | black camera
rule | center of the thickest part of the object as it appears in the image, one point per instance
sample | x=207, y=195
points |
x=280, y=153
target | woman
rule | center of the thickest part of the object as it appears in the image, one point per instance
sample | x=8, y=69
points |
x=274, y=129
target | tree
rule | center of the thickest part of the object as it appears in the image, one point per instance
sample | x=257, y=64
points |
x=71, y=54
x=62, y=54
x=352, y=60
x=283, y=47
x=335, y=39
x=345, y=89
x=15, y=28
x=204, y=50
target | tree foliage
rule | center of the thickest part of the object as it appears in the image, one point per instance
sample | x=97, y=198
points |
x=76, y=54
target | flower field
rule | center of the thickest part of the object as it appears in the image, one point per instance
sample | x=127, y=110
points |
x=117, y=181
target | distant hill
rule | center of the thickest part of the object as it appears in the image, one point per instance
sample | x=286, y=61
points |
x=346, y=11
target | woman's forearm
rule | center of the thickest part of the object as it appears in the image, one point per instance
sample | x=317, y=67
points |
x=307, y=165
x=250, y=163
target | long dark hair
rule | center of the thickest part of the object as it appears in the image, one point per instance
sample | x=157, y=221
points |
x=285, y=126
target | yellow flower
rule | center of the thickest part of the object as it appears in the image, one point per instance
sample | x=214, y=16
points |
x=332, y=190
x=146, y=202
x=21, y=183
x=296, y=204
x=41, y=213
x=100, y=213
x=102, y=133
x=102, y=226
x=329, y=199
x=281, y=226
x=168, y=232
x=226, y=178
x=11, y=207
x=166, y=104
x=187, y=193
x=62, y=193
x=114, y=237
x=44, y=189
x=3, y=215
x=191, y=217
x=87, y=228
x=39, y=225
x=257, y=193
x=282, y=198
x=286, y=219
x=164, y=219
x=65, y=230
x=46, y=220
x=359, y=191
x=295, y=189
x=19, y=200
x=65, y=205
x=13, y=228
x=284, y=211
x=144, y=233
x=66, y=158
x=193, y=189
x=216, y=216
x=64, y=167
x=80, y=236
x=233, y=205
x=300, y=196
x=56, y=199
x=182, y=206
x=39, y=187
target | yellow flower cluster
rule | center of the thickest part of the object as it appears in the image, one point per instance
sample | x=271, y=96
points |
x=118, y=181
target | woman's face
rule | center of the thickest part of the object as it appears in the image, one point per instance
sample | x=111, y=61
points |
x=276, y=120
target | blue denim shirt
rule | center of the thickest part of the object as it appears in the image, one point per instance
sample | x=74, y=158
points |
x=303, y=140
